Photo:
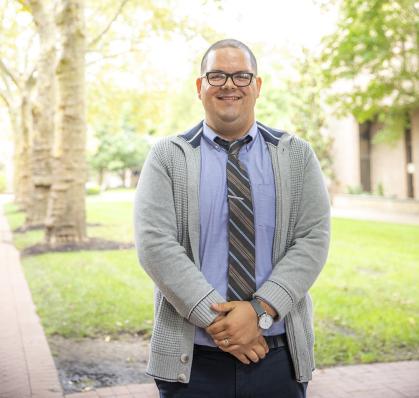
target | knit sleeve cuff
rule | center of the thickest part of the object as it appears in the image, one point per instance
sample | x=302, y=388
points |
x=276, y=296
x=202, y=315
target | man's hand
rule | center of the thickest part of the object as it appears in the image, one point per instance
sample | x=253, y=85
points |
x=239, y=325
x=252, y=352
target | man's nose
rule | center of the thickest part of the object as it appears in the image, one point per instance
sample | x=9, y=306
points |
x=229, y=83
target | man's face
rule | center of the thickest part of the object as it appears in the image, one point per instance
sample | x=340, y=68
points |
x=228, y=107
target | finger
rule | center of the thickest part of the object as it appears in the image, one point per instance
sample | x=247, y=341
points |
x=262, y=341
x=242, y=358
x=229, y=349
x=259, y=349
x=252, y=356
x=219, y=317
x=221, y=335
x=215, y=328
x=223, y=307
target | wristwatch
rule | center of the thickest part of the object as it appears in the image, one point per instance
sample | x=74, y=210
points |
x=265, y=320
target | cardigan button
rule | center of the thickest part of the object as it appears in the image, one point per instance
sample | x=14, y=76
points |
x=181, y=377
x=184, y=358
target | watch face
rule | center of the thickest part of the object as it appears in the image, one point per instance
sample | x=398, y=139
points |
x=265, y=321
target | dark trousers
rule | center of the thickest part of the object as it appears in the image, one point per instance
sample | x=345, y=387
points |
x=216, y=374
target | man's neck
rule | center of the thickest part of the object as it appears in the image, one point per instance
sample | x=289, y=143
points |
x=229, y=133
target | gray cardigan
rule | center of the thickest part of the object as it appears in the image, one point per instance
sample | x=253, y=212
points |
x=166, y=223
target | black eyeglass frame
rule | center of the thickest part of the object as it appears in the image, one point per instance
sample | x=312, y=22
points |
x=227, y=76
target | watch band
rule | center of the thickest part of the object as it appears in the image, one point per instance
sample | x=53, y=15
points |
x=257, y=307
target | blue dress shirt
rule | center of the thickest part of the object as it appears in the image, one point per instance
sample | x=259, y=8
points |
x=214, y=214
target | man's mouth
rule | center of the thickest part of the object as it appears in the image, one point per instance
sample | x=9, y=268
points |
x=231, y=98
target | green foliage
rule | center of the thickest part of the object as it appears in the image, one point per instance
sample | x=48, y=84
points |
x=307, y=110
x=355, y=190
x=2, y=179
x=373, y=57
x=129, y=84
x=111, y=106
x=119, y=151
x=92, y=189
x=185, y=108
x=272, y=107
x=393, y=125
x=296, y=104
x=379, y=190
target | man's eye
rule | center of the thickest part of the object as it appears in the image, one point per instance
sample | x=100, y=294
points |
x=242, y=76
x=217, y=76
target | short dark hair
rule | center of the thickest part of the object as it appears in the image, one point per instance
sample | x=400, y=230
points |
x=229, y=43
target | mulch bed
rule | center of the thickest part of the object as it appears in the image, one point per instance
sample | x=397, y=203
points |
x=91, y=244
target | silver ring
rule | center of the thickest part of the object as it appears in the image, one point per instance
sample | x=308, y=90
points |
x=227, y=341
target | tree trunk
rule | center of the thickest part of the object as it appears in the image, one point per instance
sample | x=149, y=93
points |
x=21, y=122
x=66, y=218
x=15, y=122
x=43, y=115
x=100, y=176
x=24, y=181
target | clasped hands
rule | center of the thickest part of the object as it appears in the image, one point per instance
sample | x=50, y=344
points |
x=236, y=331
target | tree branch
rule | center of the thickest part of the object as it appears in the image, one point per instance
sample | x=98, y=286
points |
x=27, y=52
x=3, y=96
x=30, y=80
x=7, y=92
x=108, y=26
x=9, y=73
x=3, y=12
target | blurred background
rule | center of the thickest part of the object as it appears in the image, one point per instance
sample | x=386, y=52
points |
x=86, y=87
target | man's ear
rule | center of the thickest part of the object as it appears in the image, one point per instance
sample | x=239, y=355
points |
x=198, y=86
x=258, y=84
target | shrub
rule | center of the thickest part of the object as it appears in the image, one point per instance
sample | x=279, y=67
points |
x=92, y=188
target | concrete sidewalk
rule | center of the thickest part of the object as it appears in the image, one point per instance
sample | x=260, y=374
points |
x=28, y=370
x=370, y=215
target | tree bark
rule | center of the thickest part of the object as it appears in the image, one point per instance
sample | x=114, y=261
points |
x=66, y=215
x=24, y=135
x=17, y=95
x=19, y=109
x=43, y=114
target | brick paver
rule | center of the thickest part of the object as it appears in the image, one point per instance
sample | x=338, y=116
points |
x=26, y=365
x=27, y=368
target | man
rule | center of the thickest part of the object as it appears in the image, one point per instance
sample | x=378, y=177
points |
x=232, y=224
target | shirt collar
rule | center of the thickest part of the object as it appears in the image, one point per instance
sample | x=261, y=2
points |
x=209, y=134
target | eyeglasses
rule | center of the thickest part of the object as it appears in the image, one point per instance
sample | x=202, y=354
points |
x=218, y=79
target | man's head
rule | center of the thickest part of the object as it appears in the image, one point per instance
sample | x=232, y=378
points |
x=229, y=105
x=229, y=43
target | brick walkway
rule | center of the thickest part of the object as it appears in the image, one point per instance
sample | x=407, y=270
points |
x=26, y=365
x=27, y=369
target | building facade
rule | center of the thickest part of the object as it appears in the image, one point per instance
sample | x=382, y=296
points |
x=363, y=165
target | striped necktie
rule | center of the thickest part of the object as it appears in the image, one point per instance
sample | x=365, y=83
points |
x=241, y=230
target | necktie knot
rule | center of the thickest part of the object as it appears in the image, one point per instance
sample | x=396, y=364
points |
x=233, y=147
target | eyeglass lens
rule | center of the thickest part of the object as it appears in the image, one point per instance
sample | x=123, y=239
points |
x=219, y=79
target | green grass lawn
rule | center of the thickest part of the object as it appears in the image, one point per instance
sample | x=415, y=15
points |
x=366, y=299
